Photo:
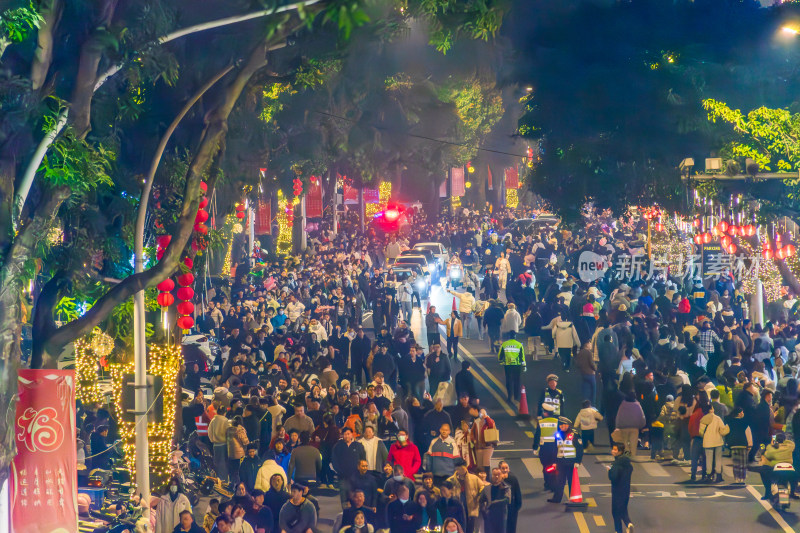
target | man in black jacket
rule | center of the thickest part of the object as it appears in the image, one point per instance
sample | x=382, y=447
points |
x=450, y=506
x=359, y=351
x=516, y=497
x=620, y=476
x=345, y=456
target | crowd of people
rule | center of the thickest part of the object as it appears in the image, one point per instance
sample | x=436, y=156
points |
x=305, y=399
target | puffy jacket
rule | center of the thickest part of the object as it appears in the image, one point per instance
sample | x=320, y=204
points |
x=466, y=301
x=218, y=429
x=713, y=429
x=473, y=487
x=780, y=454
x=565, y=335
x=511, y=321
x=268, y=469
x=407, y=456
x=237, y=441
x=630, y=415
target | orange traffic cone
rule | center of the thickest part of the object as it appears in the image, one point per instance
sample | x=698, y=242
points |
x=454, y=304
x=575, y=494
x=523, y=404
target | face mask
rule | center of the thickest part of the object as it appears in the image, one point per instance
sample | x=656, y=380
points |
x=398, y=478
x=173, y=489
x=401, y=438
x=451, y=529
x=403, y=501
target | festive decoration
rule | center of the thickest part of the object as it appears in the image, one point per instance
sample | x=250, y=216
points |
x=202, y=216
x=237, y=228
x=166, y=286
x=204, y=187
x=186, y=308
x=186, y=280
x=512, y=198
x=163, y=240
x=765, y=270
x=284, y=243
x=185, y=322
x=201, y=229
x=165, y=299
x=164, y=361
x=384, y=194
x=672, y=246
x=188, y=262
x=87, y=388
x=185, y=293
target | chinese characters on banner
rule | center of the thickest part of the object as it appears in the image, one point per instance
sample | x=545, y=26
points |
x=708, y=264
x=371, y=196
x=314, y=200
x=43, y=473
x=457, y=187
x=262, y=224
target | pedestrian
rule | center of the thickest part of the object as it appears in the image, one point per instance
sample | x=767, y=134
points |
x=454, y=329
x=620, y=474
x=713, y=431
x=516, y=496
x=237, y=441
x=484, y=448
x=629, y=421
x=544, y=444
x=586, y=422
x=565, y=339
x=494, y=502
x=587, y=369
x=739, y=440
x=170, y=506
x=432, y=322
x=298, y=515
x=512, y=358
x=218, y=435
x=467, y=488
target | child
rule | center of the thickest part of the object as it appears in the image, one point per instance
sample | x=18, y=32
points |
x=586, y=422
x=668, y=420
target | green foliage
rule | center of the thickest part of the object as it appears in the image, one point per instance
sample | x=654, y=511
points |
x=479, y=106
x=67, y=309
x=16, y=24
x=451, y=20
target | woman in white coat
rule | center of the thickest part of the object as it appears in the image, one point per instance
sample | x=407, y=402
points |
x=170, y=506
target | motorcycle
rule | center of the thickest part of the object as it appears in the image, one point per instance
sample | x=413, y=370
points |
x=783, y=474
x=455, y=274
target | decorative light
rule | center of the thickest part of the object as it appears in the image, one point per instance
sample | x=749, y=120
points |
x=512, y=198
x=237, y=228
x=284, y=244
x=468, y=185
x=87, y=388
x=102, y=344
x=384, y=194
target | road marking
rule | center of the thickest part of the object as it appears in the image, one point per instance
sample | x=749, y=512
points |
x=534, y=467
x=516, y=450
x=582, y=472
x=529, y=434
x=771, y=510
x=599, y=521
x=654, y=469
x=475, y=361
x=503, y=403
x=591, y=502
x=583, y=527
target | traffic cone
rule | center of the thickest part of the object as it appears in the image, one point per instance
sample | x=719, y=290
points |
x=523, y=404
x=575, y=494
x=454, y=304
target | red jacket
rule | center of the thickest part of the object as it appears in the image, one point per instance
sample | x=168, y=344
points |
x=694, y=422
x=684, y=306
x=406, y=456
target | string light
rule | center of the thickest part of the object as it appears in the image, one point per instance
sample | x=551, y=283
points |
x=165, y=362
x=87, y=389
x=671, y=246
x=512, y=198
x=768, y=273
x=102, y=344
x=226, y=264
x=455, y=201
x=384, y=195
x=284, y=227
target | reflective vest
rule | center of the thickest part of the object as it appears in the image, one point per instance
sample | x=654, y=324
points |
x=513, y=354
x=548, y=427
x=566, y=448
x=202, y=426
x=553, y=397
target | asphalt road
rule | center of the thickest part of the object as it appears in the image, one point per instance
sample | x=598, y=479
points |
x=661, y=500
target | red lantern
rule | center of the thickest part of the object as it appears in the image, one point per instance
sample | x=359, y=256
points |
x=201, y=228
x=726, y=241
x=188, y=262
x=734, y=230
x=750, y=230
x=239, y=215
x=781, y=253
x=240, y=207
x=185, y=280
x=723, y=226
x=185, y=293
x=166, y=285
x=697, y=222
x=203, y=187
x=767, y=254
x=202, y=215
x=706, y=237
x=185, y=322
x=790, y=250
x=163, y=240
x=165, y=299
x=732, y=249
x=659, y=227
x=203, y=202
x=104, y=362
x=159, y=254
x=186, y=308
x=698, y=239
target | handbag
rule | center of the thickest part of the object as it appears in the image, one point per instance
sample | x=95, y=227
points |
x=491, y=435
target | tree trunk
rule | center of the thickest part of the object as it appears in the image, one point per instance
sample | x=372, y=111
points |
x=51, y=12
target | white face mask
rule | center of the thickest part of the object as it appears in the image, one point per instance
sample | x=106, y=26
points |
x=398, y=478
x=173, y=489
x=452, y=529
x=403, y=501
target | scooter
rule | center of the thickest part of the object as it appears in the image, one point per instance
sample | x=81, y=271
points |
x=782, y=476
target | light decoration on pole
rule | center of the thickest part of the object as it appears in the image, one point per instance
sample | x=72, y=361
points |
x=512, y=198
x=767, y=271
x=671, y=245
x=384, y=195
x=87, y=389
x=164, y=361
x=285, y=223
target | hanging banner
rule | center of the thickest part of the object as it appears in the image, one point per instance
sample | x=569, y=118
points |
x=44, y=477
x=350, y=194
x=443, y=188
x=371, y=196
x=512, y=178
x=489, y=180
x=262, y=224
x=314, y=200
x=457, y=187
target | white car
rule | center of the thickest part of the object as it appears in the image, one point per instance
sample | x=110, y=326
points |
x=437, y=249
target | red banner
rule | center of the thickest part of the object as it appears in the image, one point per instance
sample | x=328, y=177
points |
x=512, y=178
x=457, y=187
x=443, y=188
x=263, y=224
x=371, y=196
x=350, y=195
x=489, y=180
x=44, y=477
x=314, y=200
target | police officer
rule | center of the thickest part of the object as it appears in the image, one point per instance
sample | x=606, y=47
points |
x=551, y=395
x=512, y=358
x=544, y=442
x=570, y=453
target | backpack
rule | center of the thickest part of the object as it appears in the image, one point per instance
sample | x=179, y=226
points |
x=355, y=423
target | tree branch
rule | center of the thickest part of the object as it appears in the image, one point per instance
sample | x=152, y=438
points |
x=51, y=13
x=211, y=138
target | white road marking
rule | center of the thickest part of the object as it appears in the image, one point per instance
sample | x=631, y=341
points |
x=786, y=528
x=534, y=466
x=654, y=469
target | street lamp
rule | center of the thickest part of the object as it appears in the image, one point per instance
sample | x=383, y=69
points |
x=790, y=31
